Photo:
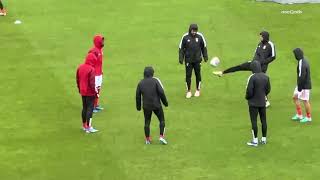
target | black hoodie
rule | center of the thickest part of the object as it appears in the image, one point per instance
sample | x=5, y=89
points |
x=193, y=48
x=303, y=71
x=258, y=86
x=265, y=52
x=151, y=90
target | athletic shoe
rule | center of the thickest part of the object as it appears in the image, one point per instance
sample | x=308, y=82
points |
x=267, y=104
x=252, y=144
x=263, y=142
x=92, y=130
x=148, y=142
x=297, y=117
x=218, y=73
x=306, y=119
x=189, y=95
x=95, y=110
x=99, y=108
x=197, y=93
x=163, y=141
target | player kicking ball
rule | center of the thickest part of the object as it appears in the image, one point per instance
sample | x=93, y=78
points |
x=265, y=53
x=3, y=11
x=303, y=88
x=152, y=93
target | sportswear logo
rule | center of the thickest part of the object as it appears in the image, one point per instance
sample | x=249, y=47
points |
x=197, y=39
x=264, y=47
x=188, y=40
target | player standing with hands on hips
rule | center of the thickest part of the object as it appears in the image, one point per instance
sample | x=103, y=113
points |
x=258, y=88
x=192, y=49
x=152, y=93
x=302, y=91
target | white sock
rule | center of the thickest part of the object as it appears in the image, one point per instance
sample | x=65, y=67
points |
x=255, y=140
x=263, y=139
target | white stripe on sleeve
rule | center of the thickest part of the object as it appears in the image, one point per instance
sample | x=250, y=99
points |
x=249, y=80
x=272, y=47
x=204, y=40
x=159, y=82
x=300, y=66
x=182, y=39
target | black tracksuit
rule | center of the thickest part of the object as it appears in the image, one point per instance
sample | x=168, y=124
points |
x=258, y=88
x=303, y=71
x=192, y=49
x=152, y=93
x=265, y=53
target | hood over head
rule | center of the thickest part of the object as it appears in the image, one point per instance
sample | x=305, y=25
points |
x=90, y=59
x=255, y=67
x=298, y=53
x=98, y=41
x=148, y=72
x=265, y=35
x=193, y=27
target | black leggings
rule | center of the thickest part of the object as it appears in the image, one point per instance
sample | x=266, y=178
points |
x=87, y=109
x=197, y=71
x=147, y=120
x=254, y=111
x=242, y=67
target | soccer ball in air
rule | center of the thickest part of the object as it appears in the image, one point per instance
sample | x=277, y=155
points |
x=215, y=61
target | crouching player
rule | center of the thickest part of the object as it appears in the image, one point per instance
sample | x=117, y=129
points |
x=152, y=93
x=86, y=86
x=302, y=90
x=258, y=88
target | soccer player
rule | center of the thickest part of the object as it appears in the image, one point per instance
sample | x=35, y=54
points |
x=303, y=88
x=258, y=88
x=97, y=50
x=192, y=49
x=152, y=93
x=265, y=53
x=86, y=86
x=3, y=12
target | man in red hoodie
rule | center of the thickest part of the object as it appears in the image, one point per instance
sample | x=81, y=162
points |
x=97, y=51
x=86, y=86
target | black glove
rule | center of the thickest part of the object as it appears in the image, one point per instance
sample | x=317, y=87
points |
x=138, y=108
x=299, y=89
x=205, y=59
x=180, y=61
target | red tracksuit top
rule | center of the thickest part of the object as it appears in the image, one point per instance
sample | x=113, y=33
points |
x=97, y=51
x=86, y=76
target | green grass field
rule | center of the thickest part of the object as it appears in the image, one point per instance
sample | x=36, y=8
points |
x=40, y=106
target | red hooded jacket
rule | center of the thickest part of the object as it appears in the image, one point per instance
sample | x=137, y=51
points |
x=97, y=51
x=86, y=76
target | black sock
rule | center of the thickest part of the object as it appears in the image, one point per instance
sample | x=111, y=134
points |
x=1, y=5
